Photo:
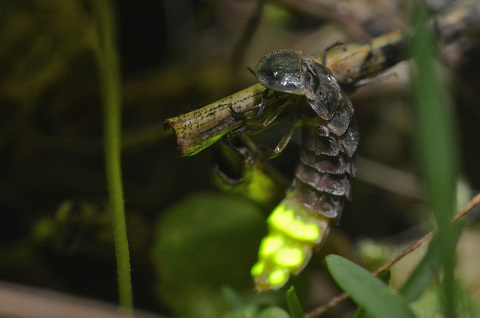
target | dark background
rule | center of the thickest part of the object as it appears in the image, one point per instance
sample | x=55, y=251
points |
x=177, y=56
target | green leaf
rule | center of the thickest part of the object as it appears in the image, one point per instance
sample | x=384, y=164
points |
x=293, y=304
x=273, y=312
x=369, y=292
x=245, y=311
x=206, y=242
x=361, y=313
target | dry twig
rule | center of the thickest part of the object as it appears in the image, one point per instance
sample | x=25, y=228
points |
x=425, y=239
x=349, y=63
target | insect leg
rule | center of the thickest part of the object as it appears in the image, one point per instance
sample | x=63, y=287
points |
x=245, y=114
x=286, y=139
x=270, y=119
x=237, y=114
x=269, y=153
x=262, y=104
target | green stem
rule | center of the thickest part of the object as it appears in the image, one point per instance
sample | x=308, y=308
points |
x=437, y=148
x=110, y=82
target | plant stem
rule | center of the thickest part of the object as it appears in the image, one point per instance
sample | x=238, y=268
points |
x=111, y=99
x=436, y=145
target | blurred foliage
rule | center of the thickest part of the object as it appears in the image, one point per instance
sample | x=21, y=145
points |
x=204, y=243
x=176, y=56
x=371, y=294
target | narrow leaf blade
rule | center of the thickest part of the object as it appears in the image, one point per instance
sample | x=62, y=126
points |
x=367, y=291
x=294, y=306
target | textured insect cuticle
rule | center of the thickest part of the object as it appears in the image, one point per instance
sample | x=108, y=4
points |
x=323, y=177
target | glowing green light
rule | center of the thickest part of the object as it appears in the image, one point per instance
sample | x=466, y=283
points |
x=278, y=277
x=260, y=187
x=271, y=244
x=289, y=257
x=284, y=218
x=257, y=269
x=293, y=232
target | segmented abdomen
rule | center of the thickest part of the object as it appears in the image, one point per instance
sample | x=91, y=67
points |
x=316, y=196
x=323, y=176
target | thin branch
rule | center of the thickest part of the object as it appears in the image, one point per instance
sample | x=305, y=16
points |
x=349, y=63
x=425, y=239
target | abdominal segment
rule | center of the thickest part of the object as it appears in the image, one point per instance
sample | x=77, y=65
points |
x=323, y=176
x=315, y=198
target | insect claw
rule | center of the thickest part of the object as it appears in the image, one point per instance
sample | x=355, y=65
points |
x=263, y=103
x=233, y=112
x=322, y=179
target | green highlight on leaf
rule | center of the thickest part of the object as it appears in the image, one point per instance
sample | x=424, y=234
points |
x=368, y=292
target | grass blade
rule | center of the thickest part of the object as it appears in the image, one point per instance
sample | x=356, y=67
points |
x=293, y=303
x=368, y=292
x=435, y=141
x=109, y=71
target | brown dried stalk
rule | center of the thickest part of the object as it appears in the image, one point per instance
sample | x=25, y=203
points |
x=349, y=63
